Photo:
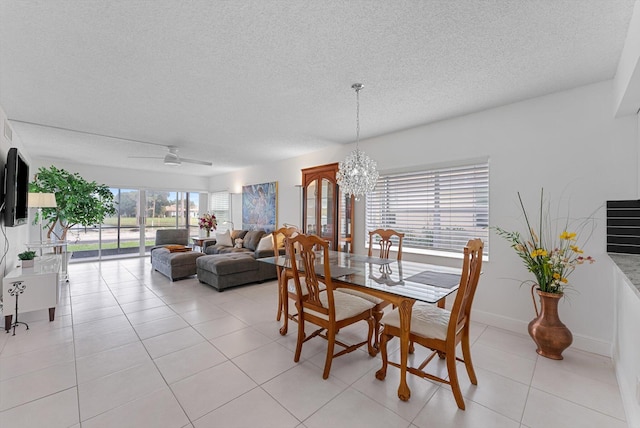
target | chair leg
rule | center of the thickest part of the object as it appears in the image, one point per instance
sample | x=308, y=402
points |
x=377, y=316
x=331, y=340
x=373, y=351
x=280, y=297
x=301, y=335
x=382, y=373
x=285, y=309
x=453, y=379
x=466, y=355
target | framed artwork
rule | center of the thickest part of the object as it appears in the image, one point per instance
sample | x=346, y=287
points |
x=260, y=206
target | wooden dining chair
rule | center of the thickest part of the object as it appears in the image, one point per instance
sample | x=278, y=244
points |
x=439, y=329
x=323, y=306
x=385, y=243
x=384, y=238
x=284, y=274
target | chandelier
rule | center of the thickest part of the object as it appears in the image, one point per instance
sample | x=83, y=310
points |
x=357, y=174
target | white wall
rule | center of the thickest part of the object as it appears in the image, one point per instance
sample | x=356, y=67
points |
x=16, y=236
x=568, y=142
x=127, y=178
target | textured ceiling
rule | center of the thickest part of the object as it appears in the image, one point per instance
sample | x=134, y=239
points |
x=243, y=82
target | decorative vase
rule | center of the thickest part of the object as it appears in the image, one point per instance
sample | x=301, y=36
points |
x=208, y=232
x=27, y=263
x=547, y=331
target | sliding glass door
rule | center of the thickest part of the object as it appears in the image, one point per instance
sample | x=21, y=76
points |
x=132, y=230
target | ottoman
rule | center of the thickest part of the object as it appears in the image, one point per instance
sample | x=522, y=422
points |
x=227, y=270
x=174, y=265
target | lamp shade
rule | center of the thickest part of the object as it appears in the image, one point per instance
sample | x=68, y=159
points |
x=42, y=200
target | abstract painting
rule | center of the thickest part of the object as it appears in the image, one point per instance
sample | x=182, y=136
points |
x=260, y=206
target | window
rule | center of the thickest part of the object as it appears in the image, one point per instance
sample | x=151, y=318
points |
x=438, y=210
x=219, y=204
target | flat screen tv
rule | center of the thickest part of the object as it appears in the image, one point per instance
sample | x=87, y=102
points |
x=16, y=189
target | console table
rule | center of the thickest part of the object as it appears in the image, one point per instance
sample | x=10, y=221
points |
x=42, y=288
x=59, y=247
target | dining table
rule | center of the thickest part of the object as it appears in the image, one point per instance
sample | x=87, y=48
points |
x=400, y=282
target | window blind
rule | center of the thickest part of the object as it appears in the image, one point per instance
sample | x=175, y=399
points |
x=219, y=205
x=438, y=209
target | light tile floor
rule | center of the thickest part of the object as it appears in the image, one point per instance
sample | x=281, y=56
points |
x=129, y=348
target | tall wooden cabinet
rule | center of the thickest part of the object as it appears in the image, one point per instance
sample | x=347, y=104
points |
x=326, y=212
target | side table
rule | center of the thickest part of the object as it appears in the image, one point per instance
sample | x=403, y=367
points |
x=41, y=288
x=200, y=242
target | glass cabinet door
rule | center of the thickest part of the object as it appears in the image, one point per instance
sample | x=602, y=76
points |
x=324, y=214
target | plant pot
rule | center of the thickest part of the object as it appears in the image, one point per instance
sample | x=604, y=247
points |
x=547, y=331
x=27, y=263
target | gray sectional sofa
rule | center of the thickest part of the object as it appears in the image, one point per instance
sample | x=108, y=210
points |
x=173, y=265
x=226, y=266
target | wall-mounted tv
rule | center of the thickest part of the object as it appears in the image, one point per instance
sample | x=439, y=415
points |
x=16, y=189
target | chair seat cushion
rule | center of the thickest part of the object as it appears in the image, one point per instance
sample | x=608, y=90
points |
x=426, y=320
x=362, y=295
x=347, y=306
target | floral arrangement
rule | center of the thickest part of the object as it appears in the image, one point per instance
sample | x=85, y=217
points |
x=551, y=257
x=207, y=221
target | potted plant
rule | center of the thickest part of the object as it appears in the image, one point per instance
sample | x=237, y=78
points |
x=27, y=258
x=551, y=254
x=79, y=202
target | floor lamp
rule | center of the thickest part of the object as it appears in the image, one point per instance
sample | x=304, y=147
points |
x=40, y=201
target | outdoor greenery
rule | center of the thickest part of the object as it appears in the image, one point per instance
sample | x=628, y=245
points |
x=79, y=202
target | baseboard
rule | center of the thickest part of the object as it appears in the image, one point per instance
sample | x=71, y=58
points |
x=584, y=343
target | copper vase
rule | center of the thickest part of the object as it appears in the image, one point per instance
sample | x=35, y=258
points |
x=550, y=334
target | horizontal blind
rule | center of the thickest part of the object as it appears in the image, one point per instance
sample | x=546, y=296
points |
x=439, y=209
x=219, y=205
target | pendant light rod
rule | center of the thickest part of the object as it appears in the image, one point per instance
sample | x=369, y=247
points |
x=357, y=87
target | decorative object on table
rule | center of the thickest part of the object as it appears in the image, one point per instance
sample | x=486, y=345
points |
x=551, y=254
x=78, y=201
x=27, y=258
x=260, y=206
x=357, y=174
x=40, y=201
x=16, y=289
x=207, y=222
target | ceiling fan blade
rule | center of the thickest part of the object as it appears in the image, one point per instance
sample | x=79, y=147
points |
x=196, y=161
x=144, y=157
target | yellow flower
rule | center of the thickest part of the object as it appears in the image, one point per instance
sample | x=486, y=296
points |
x=564, y=280
x=556, y=276
x=539, y=252
x=576, y=249
x=568, y=236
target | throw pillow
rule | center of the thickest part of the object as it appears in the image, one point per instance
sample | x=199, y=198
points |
x=266, y=243
x=224, y=239
x=235, y=234
x=252, y=238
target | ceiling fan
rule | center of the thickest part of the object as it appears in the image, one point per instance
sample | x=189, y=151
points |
x=173, y=159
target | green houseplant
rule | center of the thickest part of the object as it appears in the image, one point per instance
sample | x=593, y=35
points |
x=551, y=253
x=79, y=202
x=27, y=258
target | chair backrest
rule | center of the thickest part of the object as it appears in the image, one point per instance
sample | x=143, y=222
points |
x=471, y=268
x=172, y=236
x=308, y=248
x=281, y=235
x=385, y=242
